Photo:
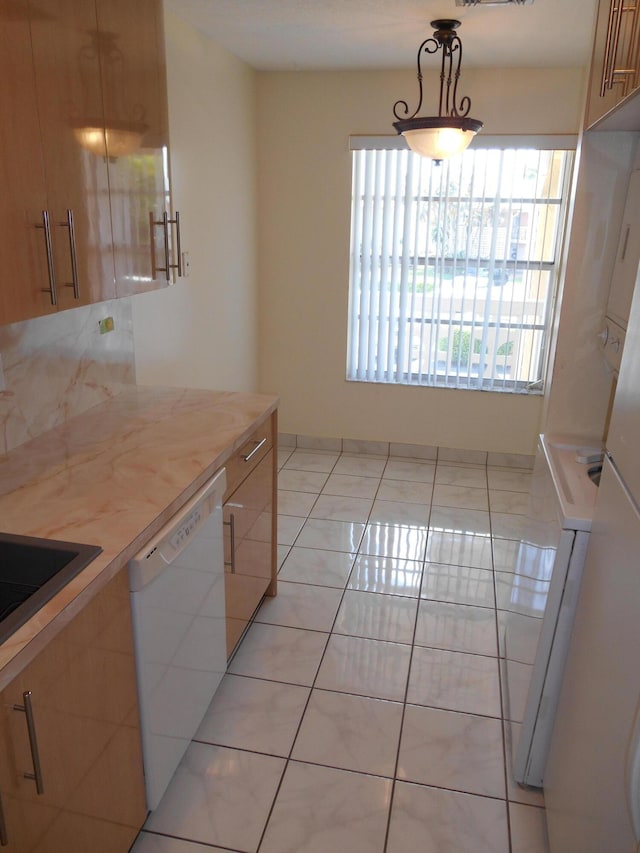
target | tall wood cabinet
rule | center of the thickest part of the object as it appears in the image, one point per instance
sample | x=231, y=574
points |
x=250, y=519
x=615, y=64
x=85, y=211
x=84, y=742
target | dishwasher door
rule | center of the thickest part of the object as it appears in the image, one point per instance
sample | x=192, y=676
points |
x=178, y=608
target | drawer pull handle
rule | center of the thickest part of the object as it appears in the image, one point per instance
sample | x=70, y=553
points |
x=27, y=710
x=231, y=524
x=259, y=445
x=165, y=222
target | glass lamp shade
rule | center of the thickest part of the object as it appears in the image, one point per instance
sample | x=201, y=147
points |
x=438, y=138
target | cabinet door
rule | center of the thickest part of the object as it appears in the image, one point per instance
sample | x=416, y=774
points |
x=623, y=279
x=614, y=65
x=248, y=516
x=134, y=87
x=23, y=197
x=84, y=700
x=66, y=54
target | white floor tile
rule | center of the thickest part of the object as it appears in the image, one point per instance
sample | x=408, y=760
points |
x=409, y=470
x=459, y=549
x=350, y=732
x=292, y=479
x=456, y=627
x=400, y=513
x=456, y=520
x=295, y=503
x=386, y=574
x=458, y=585
x=377, y=616
x=366, y=667
x=279, y=654
x=405, y=491
x=464, y=497
x=457, y=475
x=248, y=713
x=528, y=829
x=510, y=502
x=445, y=749
x=360, y=465
x=289, y=527
x=319, y=461
x=148, y=842
x=352, y=486
x=319, y=809
x=219, y=796
x=317, y=566
x=392, y=540
x=301, y=605
x=331, y=535
x=432, y=820
x=512, y=481
x=339, y=508
x=454, y=681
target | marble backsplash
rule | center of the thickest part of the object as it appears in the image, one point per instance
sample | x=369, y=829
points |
x=59, y=366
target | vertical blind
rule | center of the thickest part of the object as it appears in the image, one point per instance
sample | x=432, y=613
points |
x=454, y=266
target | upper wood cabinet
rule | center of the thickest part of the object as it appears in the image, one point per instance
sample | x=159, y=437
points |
x=84, y=152
x=615, y=65
x=135, y=102
x=69, y=99
x=23, y=239
x=81, y=742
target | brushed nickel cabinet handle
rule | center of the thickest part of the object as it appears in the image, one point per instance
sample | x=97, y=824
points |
x=165, y=222
x=46, y=226
x=72, y=250
x=176, y=222
x=255, y=450
x=231, y=524
x=27, y=710
x=4, y=839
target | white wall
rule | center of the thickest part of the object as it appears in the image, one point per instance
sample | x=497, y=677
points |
x=202, y=332
x=304, y=180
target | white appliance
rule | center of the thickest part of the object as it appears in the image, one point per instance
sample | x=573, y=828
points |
x=592, y=784
x=177, y=599
x=538, y=605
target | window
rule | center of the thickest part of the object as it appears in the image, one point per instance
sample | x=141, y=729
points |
x=454, y=266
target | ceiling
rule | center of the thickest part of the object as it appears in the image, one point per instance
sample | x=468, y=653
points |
x=351, y=34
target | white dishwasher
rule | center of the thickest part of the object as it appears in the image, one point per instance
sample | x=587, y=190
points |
x=177, y=600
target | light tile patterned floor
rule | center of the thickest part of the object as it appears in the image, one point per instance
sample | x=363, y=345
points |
x=363, y=710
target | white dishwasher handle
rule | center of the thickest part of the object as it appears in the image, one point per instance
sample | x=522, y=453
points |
x=177, y=533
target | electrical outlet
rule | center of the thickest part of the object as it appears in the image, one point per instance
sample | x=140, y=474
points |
x=186, y=264
x=106, y=325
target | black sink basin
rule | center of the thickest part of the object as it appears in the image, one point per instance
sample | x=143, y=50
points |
x=32, y=570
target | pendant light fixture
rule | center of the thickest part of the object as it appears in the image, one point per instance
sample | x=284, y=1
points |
x=451, y=131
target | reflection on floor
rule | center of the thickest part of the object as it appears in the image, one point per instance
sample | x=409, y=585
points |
x=363, y=709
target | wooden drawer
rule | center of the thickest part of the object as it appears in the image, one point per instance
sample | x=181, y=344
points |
x=252, y=452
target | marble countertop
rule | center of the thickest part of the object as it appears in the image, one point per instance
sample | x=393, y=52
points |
x=112, y=477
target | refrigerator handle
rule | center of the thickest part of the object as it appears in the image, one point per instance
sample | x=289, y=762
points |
x=633, y=778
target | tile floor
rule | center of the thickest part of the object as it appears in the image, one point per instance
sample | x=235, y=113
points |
x=363, y=709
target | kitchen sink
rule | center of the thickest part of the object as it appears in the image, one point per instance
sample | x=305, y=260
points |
x=32, y=570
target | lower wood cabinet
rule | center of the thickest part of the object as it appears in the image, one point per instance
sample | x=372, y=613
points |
x=84, y=741
x=250, y=514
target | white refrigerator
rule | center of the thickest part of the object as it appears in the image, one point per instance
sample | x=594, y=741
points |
x=592, y=779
